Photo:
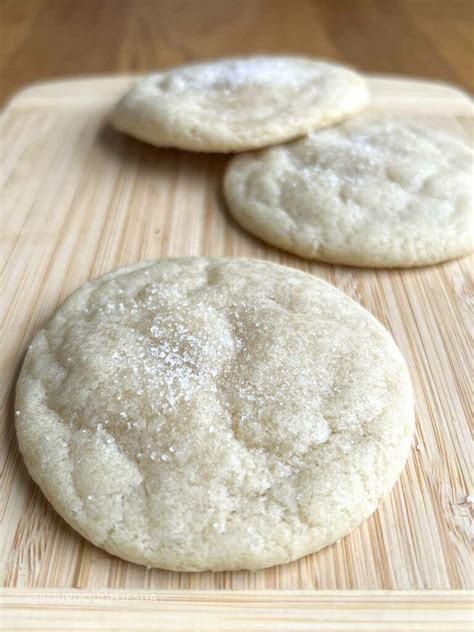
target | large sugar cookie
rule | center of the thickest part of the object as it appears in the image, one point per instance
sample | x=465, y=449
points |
x=215, y=414
x=237, y=104
x=372, y=191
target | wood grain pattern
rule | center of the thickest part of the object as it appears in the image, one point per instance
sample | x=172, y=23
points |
x=44, y=39
x=234, y=611
x=80, y=199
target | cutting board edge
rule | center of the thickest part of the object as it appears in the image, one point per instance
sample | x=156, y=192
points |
x=57, y=89
x=229, y=610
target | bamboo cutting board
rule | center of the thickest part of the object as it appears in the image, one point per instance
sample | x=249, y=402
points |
x=80, y=199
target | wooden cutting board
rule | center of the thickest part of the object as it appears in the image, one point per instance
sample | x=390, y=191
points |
x=80, y=199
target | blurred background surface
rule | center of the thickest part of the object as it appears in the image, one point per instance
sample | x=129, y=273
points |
x=47, y=39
